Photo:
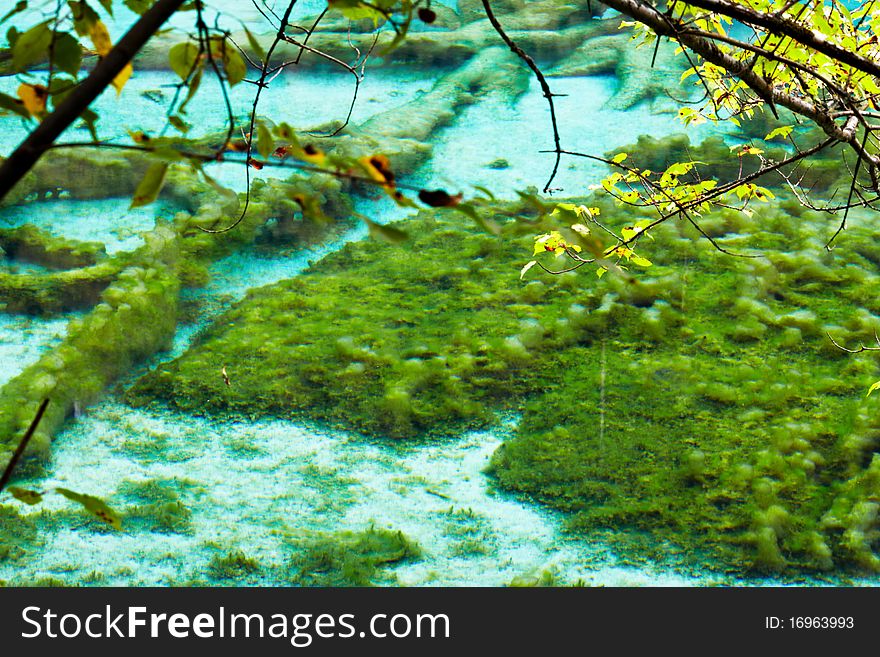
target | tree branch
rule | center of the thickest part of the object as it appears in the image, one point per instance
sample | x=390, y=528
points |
x=32, y=148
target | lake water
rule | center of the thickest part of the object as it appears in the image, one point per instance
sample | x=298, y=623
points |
x=256, y=485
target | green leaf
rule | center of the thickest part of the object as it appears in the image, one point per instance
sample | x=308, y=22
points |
x=386, y=233
x=234, y=64
x=107, y=5
x=192, y=89
x=67, y=53
x=489, y=195
x=31, y=46
x=84, y=17
x=60, y=88
x=90, y=118
x=265, y=142
x=31, y=497
x=356, y=10
x=782, y=131
x=183, y=58
x=95, y=506
x=178, y=123
x=139, y=6
x=258, y=49
x=486, y=224
x=148, y=189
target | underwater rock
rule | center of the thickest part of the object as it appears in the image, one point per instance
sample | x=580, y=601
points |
x=30, y=244
x=552, y=33
x=81, y=173
x=57, y=291
x=402, y=134
x=640, y=75
x=136, y=317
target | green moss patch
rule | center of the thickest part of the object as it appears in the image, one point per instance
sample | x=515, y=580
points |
x=349, y=558
x=31, y=244
x=696, y=412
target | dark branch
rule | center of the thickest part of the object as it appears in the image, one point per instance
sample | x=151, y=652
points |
x=32, y=148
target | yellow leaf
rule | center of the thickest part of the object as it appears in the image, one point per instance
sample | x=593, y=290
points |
x=100, y=37
x=526, y=267
x=873, y=387
x=95, y=506
x=34, y=98
x=782, y=131
x=120, y=80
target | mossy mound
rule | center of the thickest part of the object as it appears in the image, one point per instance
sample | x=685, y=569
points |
x=698, y=407
x=349, y=558
x=18, y=534
x=234, y=567
x=31, y=244
x=387, y=341
x=157, y=506
x=135, y=318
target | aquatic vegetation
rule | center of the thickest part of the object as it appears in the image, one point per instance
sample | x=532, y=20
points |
x=30, y=244
x=157, y=506
x=19, y=533
x=349, y=558
x=135, y=318
x=468, y=531
x=234, y=566
x=694, y=408
x=646, y=403
x=714, y=161
x=546, y=578
x=53, y=292
x=547, y=28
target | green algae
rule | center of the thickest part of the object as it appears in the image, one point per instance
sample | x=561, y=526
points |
x=96, y=351
x=470, y=533
x=545, y=29
x=30, y=244
x=715, y=159
x=136, y=317
x=234, y=566
x=155, y=506
x=18, y=534
x=54, y=292
x=350, y=558
x=700, y=410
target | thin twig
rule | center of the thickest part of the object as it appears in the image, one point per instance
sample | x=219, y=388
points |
x=19, y=451
x=545, y=87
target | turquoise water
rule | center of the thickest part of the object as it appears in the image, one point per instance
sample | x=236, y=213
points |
x=256, y=485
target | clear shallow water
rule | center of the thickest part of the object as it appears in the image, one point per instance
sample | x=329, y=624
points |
x=109, y=221
x=497, y=143
x=23, y=339
x=251, y=486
